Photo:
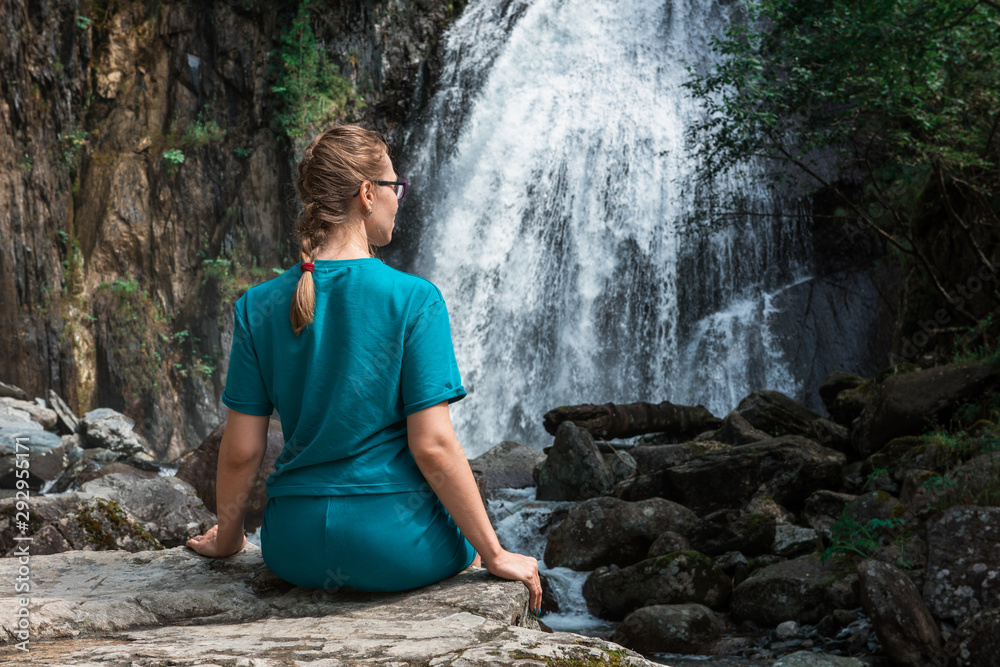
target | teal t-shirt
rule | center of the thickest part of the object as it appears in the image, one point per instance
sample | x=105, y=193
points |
x=378, y=349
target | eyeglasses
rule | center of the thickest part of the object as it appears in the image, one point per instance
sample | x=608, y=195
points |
x=399, y=187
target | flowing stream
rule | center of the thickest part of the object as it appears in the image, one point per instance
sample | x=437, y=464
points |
x=550, y=191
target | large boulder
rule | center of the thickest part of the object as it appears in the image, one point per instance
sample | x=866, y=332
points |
x=902, y=621
x=509, y=465
x=733, y=530
x=27, y=449
x=199, y=468
x=109, y=429
x=605, y=531
x=736, y=430
x=963, y=562
x=46, y=417
x=168, y=507
x=976, y=641
x=677, y=578
x=776, y=414
x=652, y=458
x=73, y=521
x=803, y=590
x=907, y=404
x=668, y=628
x=835, y=383
x=176, y=607
x=574, y=468
x=788, y=468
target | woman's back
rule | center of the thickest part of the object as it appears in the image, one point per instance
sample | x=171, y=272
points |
x=379, y=349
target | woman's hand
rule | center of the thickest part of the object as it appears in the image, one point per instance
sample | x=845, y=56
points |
x=207, y=544
x=519, y=568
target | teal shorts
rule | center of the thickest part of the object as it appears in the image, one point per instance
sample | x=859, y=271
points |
x=368, y=542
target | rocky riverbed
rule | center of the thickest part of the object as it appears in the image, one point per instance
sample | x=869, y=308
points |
x=782, y=537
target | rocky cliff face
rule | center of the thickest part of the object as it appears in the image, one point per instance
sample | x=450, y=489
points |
x=147, y=184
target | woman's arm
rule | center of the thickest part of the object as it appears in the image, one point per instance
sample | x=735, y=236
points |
x=444, y=465
x=241, y=453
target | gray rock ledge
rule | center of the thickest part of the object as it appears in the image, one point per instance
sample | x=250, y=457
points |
x=179, y=608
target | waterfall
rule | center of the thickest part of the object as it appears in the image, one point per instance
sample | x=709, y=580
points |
x=550, y=191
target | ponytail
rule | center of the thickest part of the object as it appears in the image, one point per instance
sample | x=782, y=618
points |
x=333, y=166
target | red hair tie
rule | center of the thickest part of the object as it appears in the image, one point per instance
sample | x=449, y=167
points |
x=307, y=266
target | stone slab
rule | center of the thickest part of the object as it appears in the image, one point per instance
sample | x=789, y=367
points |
x=179, y=608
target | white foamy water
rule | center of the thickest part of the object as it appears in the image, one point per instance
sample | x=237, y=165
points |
x=551, y=185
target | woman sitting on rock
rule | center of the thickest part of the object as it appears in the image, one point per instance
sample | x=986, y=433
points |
x=372, y=480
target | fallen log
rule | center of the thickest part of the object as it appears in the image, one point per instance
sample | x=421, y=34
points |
x=625, y=420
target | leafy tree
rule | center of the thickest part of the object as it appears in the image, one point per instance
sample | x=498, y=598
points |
x=891, y=106
x=311, y=88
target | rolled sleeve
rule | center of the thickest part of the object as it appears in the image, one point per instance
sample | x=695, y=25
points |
x=429, y=369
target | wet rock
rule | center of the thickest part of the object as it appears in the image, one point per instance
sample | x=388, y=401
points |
x=200, y=467
x=574, y=468
x=776, y=414
x=790, y=541
x=736, y=430
x=509, y=465
x=667, y=543
x=677, y=578
x=167, y=506
x=602, y=531
x=963, y=564
x=46, y=417
x=682, y=628
x=905, y=404
x=788, y=468
x=105, y=428
x=802, y=590
x=42, y=455
x=835, y=383
x=902, y=621
x=733, y=530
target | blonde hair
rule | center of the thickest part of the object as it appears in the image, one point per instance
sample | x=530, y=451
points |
x=332, y=169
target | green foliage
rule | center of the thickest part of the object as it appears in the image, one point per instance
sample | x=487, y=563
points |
x=73, y=140
x=83, y=22
x=242, y=153
x=174, y=159
x=313, y=93
x=860, y=539
x=891, y=107
x=202, y=132
x=25, y=163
